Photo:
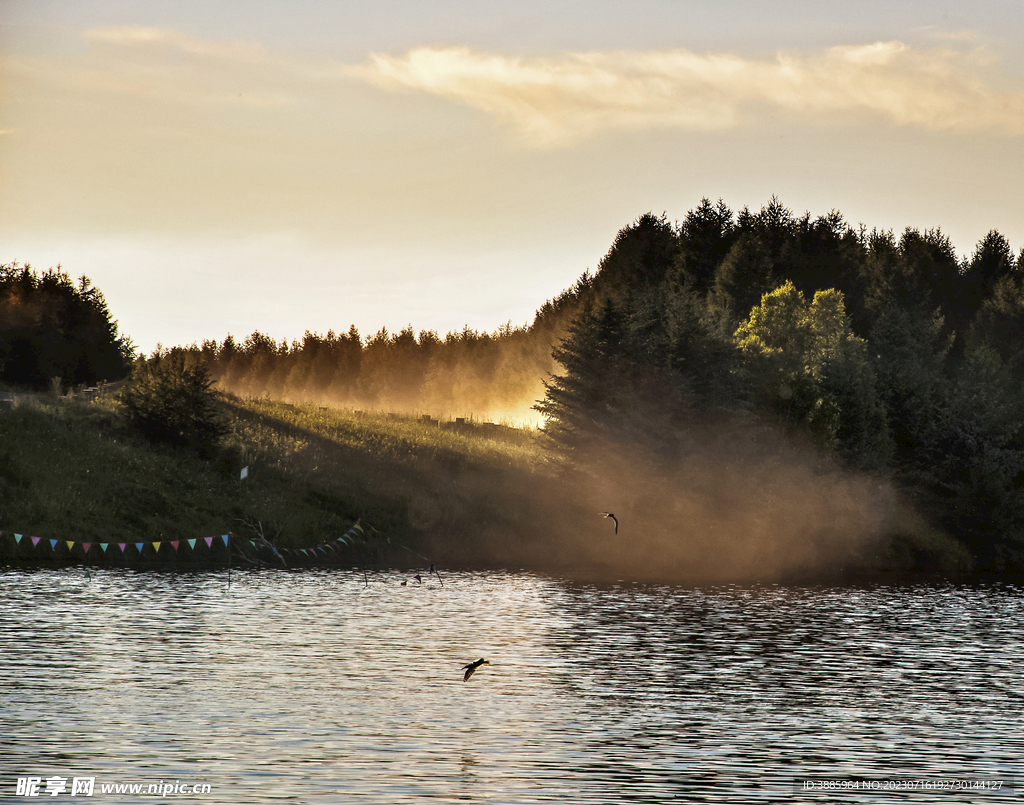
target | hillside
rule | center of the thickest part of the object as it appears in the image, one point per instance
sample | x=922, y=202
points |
x=459, y=496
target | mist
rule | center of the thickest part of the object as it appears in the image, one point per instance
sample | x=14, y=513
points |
x=747, y=502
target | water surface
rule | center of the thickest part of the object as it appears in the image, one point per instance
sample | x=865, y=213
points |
x=318, y=687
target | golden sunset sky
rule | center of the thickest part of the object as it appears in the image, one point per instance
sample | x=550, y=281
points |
x=222, y=167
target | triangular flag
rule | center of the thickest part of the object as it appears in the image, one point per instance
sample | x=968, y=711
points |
x=245, y=473
x=139, y=546
x=122, y=546
x=35, y=540
x=104, y=545
x=156, y=547
x=174, y=543
x=70, y=544
x=225, y=538
x=192, y=544
x=17, y=539
x=252, y=542
x=209, y=542
x=86, y=546
x=53, y=544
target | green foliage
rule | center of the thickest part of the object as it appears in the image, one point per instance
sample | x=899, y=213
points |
x=743, y=277
x=170, y=401
x=891, y=352
x=999, y=324
x=807, y=355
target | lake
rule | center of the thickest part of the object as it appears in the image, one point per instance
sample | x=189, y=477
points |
x=328, y=687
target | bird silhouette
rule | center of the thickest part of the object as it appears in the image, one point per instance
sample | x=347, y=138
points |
x=469, y=669
x=609, y=514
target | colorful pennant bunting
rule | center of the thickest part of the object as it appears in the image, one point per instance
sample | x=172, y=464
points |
x=324, y=549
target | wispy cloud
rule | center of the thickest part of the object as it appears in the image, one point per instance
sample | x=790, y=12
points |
x=558, y=99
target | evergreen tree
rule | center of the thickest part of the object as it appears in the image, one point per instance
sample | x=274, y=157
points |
x=705, y=237
x=642, y=256
x=170, y=401
x=581, y=404
x=53, y=327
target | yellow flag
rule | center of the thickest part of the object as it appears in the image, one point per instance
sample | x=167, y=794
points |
x=156, y=546
x=70, y=544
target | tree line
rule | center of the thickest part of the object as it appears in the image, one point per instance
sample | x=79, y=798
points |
x=889, y=353
x=53, y=327
x=464, y=373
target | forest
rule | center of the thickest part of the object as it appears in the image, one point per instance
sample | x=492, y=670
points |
x=56, y=331
x=786, y=386
x=886, y=354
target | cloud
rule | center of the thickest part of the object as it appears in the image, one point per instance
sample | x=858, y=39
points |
x=563, y=98
x=559, y=99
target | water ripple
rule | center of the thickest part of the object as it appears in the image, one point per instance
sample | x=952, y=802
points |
x=321, y=687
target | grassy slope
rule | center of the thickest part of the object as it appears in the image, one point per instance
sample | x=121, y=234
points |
x=69, y=470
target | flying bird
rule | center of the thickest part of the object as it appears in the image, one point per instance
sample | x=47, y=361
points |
x=609, y=514
x=469, y=669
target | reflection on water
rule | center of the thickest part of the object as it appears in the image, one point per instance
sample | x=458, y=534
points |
x=313, y=687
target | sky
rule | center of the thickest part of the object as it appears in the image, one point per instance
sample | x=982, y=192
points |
x=225, y=167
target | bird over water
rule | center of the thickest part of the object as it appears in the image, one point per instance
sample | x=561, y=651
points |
x=469, y=669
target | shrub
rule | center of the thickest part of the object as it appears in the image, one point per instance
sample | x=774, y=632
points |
x=170, y=401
